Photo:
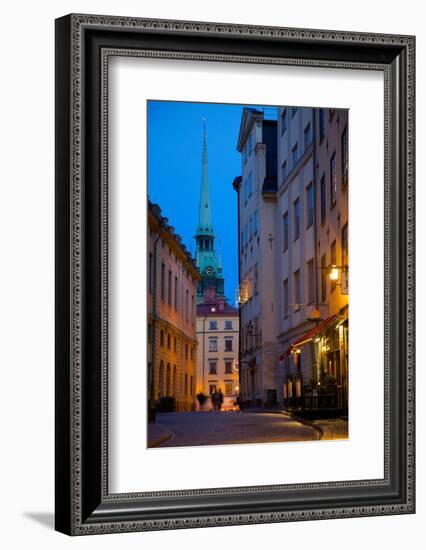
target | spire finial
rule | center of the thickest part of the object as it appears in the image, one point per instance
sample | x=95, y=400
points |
x=204, y=130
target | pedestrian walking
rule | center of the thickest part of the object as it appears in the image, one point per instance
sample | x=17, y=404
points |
x=213, y=398
x=219, y=399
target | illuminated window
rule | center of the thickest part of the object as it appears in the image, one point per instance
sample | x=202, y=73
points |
x=345, y=253
x=228, y=388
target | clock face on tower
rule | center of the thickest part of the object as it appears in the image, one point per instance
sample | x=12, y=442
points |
x=209, y=270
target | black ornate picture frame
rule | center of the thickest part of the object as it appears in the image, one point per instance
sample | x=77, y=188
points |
x=84, y=43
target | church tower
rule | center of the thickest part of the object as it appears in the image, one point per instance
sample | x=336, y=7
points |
x=207, y=263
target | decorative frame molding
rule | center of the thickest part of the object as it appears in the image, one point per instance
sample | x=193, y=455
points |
x=84, y=43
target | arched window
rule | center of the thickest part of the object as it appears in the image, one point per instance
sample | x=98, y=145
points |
x=161, y=380
x=168, y=382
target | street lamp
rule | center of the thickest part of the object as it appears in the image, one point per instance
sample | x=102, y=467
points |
x=334, y=273
x=252, y=333
x=250, y=330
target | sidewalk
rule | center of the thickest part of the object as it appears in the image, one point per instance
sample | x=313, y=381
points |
x=158, y=434
x=329, y=428
x=334, y=428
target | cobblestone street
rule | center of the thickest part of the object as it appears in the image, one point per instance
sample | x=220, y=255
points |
x=220, y=428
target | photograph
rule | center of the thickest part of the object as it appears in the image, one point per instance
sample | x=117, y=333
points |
x=247, y=274
x=207, y=242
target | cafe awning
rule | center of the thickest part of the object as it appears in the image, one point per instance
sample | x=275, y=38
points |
x=309, y=336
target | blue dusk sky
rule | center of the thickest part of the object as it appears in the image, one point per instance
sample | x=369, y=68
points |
x=175, y=139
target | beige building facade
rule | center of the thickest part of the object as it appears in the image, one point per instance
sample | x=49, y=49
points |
x=172, y=342
x=217, y=351
x=293, y=240
x=256, y=190
x=313, y=211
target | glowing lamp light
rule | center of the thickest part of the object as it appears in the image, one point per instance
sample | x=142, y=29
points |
x=334, y=273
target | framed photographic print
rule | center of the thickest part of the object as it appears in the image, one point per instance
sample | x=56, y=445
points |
x=234, y=274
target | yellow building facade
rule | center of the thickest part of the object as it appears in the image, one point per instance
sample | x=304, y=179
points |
x=172, y=343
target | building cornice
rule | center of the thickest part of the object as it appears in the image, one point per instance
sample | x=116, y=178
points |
x=159, y=224
x=248, y=120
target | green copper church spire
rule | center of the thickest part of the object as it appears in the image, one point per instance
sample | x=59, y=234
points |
x=207, y=264
x=205, y=226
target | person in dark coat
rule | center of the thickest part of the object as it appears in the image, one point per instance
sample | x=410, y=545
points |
x=214, y=400
x=219, y=399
